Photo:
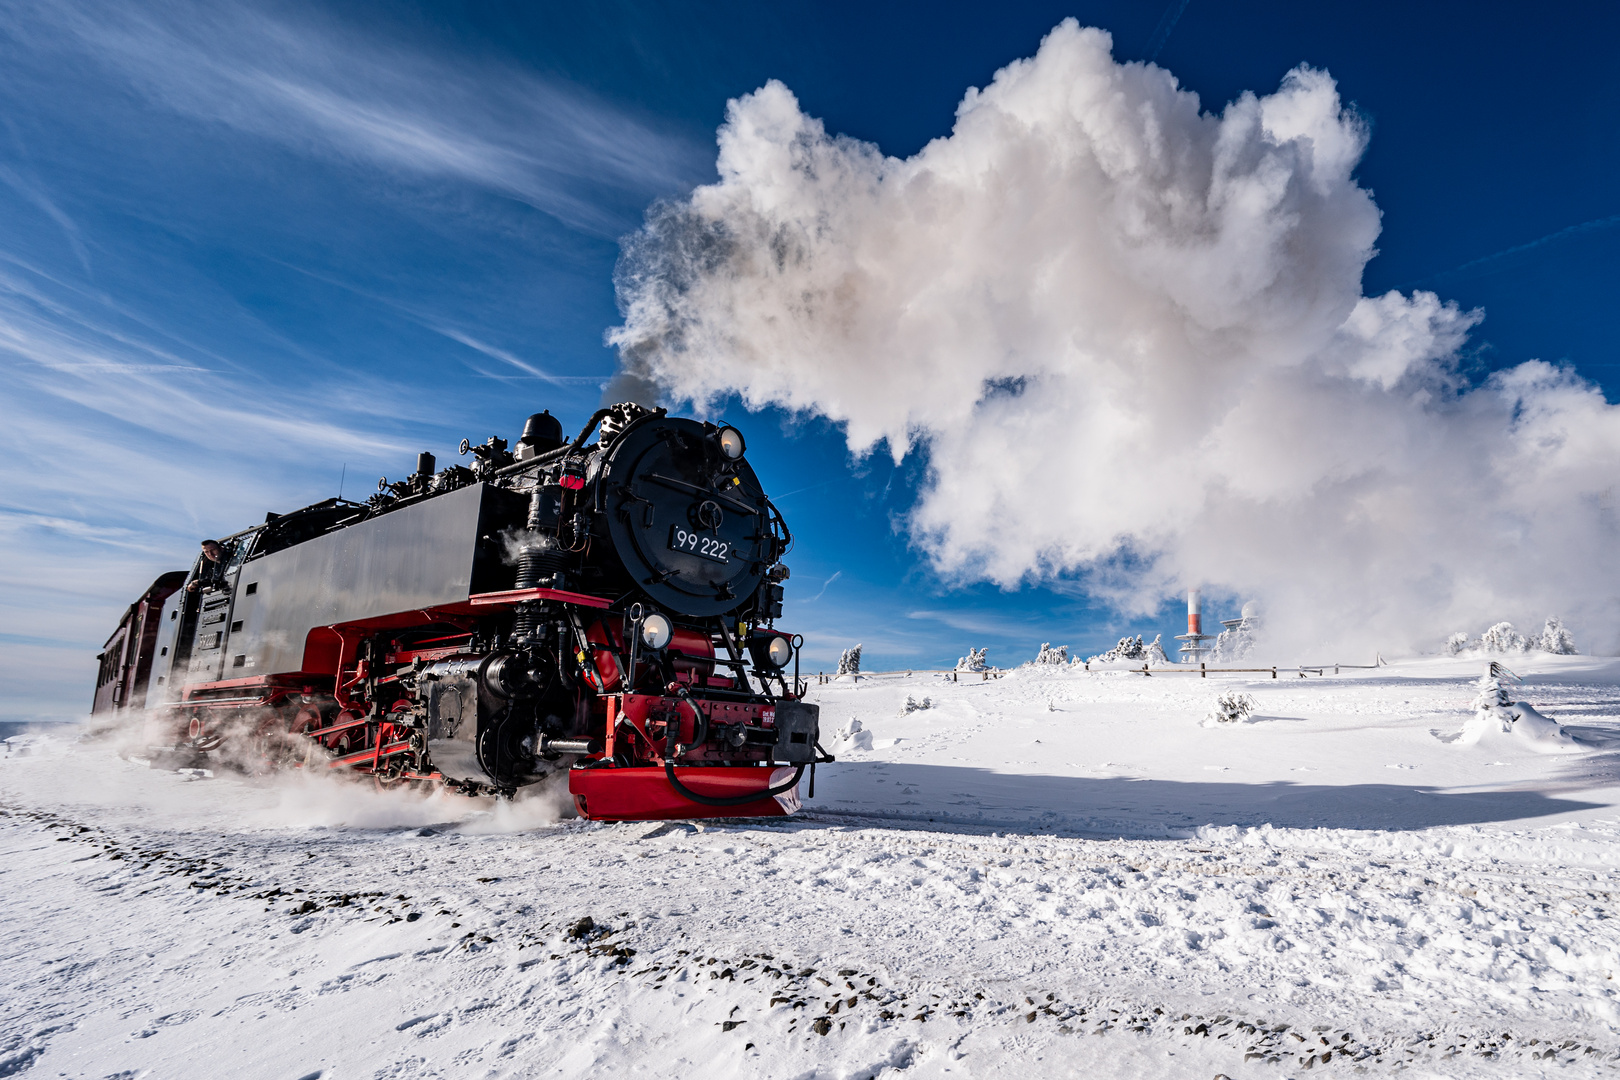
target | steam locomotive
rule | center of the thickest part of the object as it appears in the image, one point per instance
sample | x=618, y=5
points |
x=605, y=611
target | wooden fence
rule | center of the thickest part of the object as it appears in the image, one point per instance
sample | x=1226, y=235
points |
x=1203, y=671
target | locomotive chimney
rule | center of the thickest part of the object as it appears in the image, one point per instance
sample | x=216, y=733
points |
x=425, y=464
x=1195, y=613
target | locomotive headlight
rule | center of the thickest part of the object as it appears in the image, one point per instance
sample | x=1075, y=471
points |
x=731, y=443
x=656, y=630
x=771, y=650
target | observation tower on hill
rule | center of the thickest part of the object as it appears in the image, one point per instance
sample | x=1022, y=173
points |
x=1193, y=649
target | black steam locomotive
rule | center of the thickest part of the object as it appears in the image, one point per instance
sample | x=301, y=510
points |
x=605, y=610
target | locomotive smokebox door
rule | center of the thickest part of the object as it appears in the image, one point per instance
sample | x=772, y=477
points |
x=798, y=726
x=692, y=527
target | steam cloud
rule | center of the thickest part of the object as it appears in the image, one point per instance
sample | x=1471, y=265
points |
x=1131, y=337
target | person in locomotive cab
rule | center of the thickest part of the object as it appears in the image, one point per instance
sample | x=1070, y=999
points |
x=212, y=573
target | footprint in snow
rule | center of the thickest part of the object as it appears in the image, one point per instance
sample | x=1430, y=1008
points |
x=1400, y=766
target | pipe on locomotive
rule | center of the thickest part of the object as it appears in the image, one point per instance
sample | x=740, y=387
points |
x=700, y=732
x=562, y=451
x=538, y=557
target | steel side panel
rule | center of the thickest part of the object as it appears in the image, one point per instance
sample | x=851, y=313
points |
x=417, y=557
x=163, y=669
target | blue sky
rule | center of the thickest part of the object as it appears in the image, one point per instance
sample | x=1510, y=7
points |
x=248, y=249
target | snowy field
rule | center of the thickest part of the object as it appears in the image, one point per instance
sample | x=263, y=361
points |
x=1051, y=874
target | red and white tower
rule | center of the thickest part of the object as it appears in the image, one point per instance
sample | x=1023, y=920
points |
x=1194, y=649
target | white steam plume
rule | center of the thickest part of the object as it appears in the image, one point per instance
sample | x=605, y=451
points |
x=1131, y=337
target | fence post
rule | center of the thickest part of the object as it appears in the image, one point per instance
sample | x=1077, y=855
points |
x=1273, y=671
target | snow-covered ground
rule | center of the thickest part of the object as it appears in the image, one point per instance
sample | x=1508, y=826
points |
x=1051, y=874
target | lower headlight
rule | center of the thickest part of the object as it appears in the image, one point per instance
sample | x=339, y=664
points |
x=656, y=630
x=779, y=652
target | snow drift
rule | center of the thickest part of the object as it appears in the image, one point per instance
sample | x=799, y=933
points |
x=1171, y=300
x=1499, y=720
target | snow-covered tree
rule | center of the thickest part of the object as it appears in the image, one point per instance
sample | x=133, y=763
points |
x=1238, y=639
x=1131, y=648
x=1233, y=644
x=1049, y=655
x=1555, y=638
x=1495, y=712
x=1493, y=690
x=850, y=662
x=974, y=660
x=1502, y=638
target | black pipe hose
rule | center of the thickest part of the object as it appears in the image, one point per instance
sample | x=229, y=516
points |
x=701, y=732
x=734, y=800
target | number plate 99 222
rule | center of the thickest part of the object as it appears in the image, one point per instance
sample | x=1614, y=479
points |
x=703, y=545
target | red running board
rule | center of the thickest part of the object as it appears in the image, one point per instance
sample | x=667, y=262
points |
x=644, y=794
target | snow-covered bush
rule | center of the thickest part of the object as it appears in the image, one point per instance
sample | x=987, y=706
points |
x=1238, y=639
x=1497, y=714
x=1232, y=645
x=974, y=660
x=1049, y=655
x=1130, y=648
x=1230, y=708
x=850, y=662
x=1502, y=638
x=1556, y=638
x=916, y=705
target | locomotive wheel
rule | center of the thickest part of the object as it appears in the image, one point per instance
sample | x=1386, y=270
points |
x=202, y=740
x=390, y=776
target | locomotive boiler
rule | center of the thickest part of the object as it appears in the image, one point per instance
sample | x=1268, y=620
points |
x=604, y=610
